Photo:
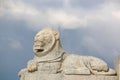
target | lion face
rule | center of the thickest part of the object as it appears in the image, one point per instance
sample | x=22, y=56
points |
x=43, y=42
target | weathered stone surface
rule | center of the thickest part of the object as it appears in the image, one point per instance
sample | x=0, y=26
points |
x=89, y=77
x=117, y=67
x=51, y=62
x=74, y=64
x=37, y=76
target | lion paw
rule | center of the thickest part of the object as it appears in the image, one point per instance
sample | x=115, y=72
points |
x=32, y=66
x=22, y=72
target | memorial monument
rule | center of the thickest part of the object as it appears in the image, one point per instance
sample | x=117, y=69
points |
x=52, y=62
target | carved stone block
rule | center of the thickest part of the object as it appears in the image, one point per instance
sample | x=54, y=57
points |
x=89, y=77
x=38, y=76
x=117, y=67
x=51, y=62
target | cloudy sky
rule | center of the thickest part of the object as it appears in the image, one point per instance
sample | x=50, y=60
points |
x=87, y=27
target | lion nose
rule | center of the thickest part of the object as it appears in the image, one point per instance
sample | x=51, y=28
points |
x=39, y=43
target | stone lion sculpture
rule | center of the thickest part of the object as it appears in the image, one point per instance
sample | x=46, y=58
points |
x=50, y=58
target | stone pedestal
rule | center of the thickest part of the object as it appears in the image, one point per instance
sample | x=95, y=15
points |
x=117, y=67
x=89, y=77
x=38, y=76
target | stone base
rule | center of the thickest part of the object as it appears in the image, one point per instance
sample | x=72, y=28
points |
x=90, y=77
x=36, y=76
x=42, y=77
x=117, y=67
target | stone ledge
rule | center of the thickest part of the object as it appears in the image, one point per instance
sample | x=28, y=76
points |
x=37, y=76
x=117, y=67
x=89, y=77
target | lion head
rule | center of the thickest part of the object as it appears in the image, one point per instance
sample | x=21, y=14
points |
x=46, y=41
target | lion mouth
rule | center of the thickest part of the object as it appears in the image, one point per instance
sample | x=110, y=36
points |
x=39, y=50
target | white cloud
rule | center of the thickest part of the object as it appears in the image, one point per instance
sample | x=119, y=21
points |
x=65, y=19
x=21, y=11
x=69, y=17
x=105, y=16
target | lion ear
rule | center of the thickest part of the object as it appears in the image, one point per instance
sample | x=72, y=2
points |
x=57, y=35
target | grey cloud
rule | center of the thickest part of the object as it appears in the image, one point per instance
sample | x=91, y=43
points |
x=35, y=19
x=45, y=4
x=113, y=1
x=91, y=4
x=87, y=4
x=67, y=18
